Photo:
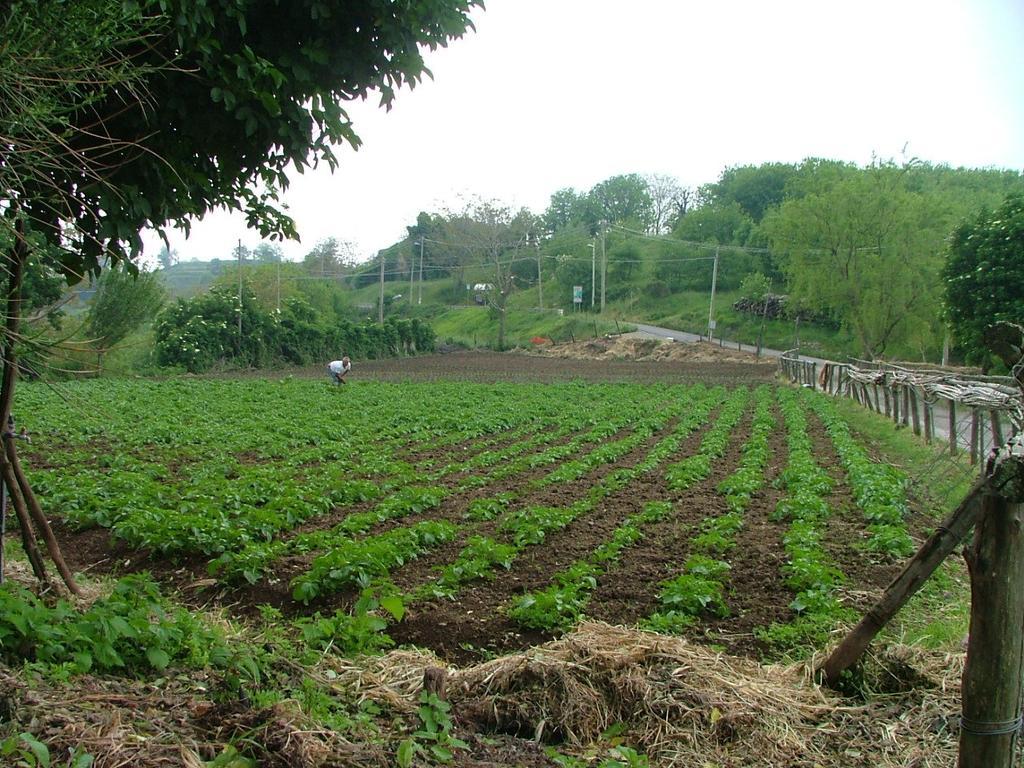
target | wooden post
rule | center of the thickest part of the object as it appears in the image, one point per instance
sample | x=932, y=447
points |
x=975, y=452
x=906, y=405
x=878, y=401
x=997, y=429
x=991, y=688
x=915, y=573
x=952, y=427
x=895, y=406
x=885, y=394
x=435, y=681
x=914, y=405
x=929, y=427
x=814, y=375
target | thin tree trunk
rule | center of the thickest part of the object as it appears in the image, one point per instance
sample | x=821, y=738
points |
x=28, y=539
x=9, y=466
x=42, y=525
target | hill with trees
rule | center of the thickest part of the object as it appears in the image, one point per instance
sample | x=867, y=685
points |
x=856, y=255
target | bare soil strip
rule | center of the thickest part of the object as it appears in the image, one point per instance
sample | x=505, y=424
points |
x=757, y=593
x=867, y=573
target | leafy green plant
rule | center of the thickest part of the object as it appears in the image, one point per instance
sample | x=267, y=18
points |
x=355, y=563
x=879, y=490
x=133, y=630
x=434, y=737
x=359, y=631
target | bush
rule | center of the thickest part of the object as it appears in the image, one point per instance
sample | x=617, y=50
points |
x=203, y=331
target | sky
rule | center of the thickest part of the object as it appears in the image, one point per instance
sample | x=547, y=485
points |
x=548, y=94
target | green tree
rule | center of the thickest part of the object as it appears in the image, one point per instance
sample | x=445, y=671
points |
x=757, y=288
x=228, y=96
x=722, y=223
x=496, y=235
x=755, y=189
x=268, y=253
x=567, y=207
x=983, y=276
x=667, y=198
x=117, y=116
x=330, y=256
x=167, y=258
x=862, y=248
x=123, y=301
x=620, y=199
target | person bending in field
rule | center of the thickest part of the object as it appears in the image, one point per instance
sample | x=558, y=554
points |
x=338, y=369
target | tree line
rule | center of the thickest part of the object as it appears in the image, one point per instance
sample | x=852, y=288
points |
x=868, y=249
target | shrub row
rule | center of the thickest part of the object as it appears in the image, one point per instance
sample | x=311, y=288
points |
x=221, y=327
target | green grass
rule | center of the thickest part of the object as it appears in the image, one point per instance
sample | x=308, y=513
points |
x=456, y=319
x=476, y=326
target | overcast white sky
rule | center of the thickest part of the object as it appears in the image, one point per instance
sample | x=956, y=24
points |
x=549, y=94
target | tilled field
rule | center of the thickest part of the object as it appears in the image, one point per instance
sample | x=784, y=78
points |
x=511, y=367
x=479, y=519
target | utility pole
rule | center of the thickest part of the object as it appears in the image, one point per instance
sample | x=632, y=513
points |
x=604, y=269
x=380, y=302
x=593, y=273
x=239, y=293
x=412, y=276
x=420, y=299
x=540, y=277
x=711, y=305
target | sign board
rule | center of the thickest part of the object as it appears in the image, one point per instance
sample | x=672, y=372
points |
x=712, y=324
x=577, y=294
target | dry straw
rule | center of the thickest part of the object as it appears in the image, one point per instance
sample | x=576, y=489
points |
x=687, y=705
x=682, y=704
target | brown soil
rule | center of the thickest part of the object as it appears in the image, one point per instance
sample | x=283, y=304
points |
x=867, y=573
x=521, y=366
x=757, y=593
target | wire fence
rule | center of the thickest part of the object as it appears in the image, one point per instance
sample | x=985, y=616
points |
x=961, y=415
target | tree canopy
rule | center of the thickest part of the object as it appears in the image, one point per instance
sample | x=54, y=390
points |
x=161, y=110
x=863, y=248
x=984, y=276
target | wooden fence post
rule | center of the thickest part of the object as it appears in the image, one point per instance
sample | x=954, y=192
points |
x=885, y=394
x=952, y=427
x=975, y=449
x=997, y=429
x=929, y=426
x=895, y=405
x=905, y=406
x=991, y=688
x=914, y=405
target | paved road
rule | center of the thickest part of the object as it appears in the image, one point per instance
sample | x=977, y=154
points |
x=657, y=332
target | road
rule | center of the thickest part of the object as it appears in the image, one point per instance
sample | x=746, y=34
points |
x=657, y=332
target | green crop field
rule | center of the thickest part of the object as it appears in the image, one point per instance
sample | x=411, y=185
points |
x=545, y=503
x=270, y=538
